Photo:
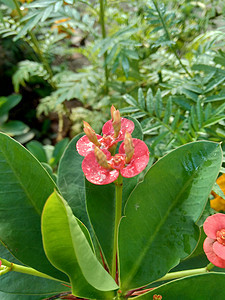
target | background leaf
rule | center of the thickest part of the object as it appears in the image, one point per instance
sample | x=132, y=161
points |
x=37, y=150
x=165, y=207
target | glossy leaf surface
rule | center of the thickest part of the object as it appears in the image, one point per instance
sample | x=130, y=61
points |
x=71, y=181
x=200, y=287
x=69, y=251
x=101, y=209
x=18, y=283
x=159, y=228
x=25, y=186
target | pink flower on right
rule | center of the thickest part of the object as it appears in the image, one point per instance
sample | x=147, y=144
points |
x=214, y=244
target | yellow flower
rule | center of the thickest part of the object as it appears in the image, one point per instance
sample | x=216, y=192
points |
x=218, y=203
x=63, y=28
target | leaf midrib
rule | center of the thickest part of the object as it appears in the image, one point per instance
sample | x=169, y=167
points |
x=150, y=241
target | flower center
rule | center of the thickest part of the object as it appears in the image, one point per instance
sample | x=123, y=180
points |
x=107, y=141
x=117, y=161
x=220, y=236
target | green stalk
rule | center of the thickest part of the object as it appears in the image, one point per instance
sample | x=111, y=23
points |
x=36, y=47
x=169, y=38
x=102, y=22
x=25, y=270
x=180, y=274
x=118, y=214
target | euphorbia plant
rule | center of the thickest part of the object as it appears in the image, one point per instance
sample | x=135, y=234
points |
x=113, y=234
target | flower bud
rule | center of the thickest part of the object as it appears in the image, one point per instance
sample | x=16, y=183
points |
x=112, y=110
x=128, y=147
x=90, y=133
x=116, y=121
x=101, y=158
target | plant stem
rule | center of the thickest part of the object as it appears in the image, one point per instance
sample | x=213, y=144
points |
x=169, y=38
x=179, y=274
x=118, y=214
x=25, y=270
x=102, y=22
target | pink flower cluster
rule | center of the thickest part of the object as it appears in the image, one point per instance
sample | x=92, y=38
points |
x=214, y=244
x=101, y=165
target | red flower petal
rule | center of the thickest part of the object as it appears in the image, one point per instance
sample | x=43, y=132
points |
x=219, y=249
x=211, y=255
x=84, y=146
x=126, y=125
x=139, y=160
x=95, y=173
x=213, y=224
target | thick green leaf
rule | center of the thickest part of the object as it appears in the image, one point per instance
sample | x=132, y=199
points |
x=37, y=150
x=58, y=151
x=48, y=168
x=25, y=186
x=71, y=181
x=101, y=205
x=165, y=207
x=8, y=103
x=9, y=296
x=18, y=283
x=101, y=211
x=200, y=287
x=14, y=128
x=69, y=251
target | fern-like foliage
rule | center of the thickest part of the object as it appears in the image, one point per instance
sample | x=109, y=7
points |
x=121, y=49
x=84, y=86
x=42, y=10
x=168, y=122
x=162, y=21
x=9, y=27
x=26, y=70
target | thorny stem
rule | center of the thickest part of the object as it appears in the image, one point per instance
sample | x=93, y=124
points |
x=25, y=270
x=169, y=38
x=118, y=214
x=102, y=22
